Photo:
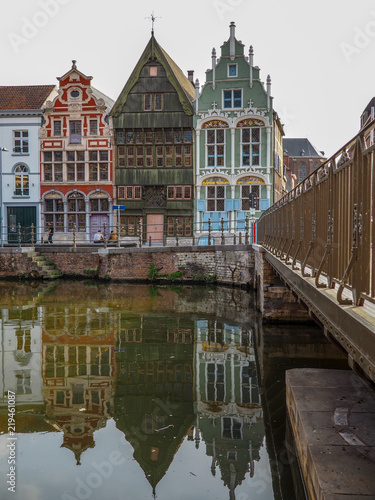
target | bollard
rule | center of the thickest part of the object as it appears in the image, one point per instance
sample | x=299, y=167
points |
x=247, y=230
x=19, y=235
x=140, y=233
x=105, y=235
x=240, y=238
x=222, y=231
x=74, y=235
x=32, y=235
x=149, y=241
x=209, y=231
x=234, y=239
x=176, y=231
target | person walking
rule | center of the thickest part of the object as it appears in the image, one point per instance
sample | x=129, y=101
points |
x=50, y=234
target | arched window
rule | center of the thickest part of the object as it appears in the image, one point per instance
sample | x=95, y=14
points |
x=21, y=180
x=54, y=212
x=77, y=212
x=302, y=171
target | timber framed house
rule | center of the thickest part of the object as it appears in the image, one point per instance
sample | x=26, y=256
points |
x=153, y=127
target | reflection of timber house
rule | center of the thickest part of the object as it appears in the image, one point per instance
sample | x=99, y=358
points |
x=229, y=416
x=154, y=389
x=78, y=373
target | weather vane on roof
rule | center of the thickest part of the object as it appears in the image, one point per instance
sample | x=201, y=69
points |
x=152, y=18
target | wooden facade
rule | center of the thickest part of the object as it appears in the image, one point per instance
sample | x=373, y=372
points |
x=153, y=125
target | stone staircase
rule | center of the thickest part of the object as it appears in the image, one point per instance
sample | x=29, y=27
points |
x=40, y=268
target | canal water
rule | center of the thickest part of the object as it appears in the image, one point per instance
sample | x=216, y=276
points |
x=127, y=392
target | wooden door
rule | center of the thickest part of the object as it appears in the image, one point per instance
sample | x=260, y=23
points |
x=155, y=227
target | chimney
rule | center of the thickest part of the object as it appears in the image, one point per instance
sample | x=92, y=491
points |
x=190, y=75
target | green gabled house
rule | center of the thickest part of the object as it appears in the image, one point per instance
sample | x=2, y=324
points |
x=153, y=125
x=238, y=144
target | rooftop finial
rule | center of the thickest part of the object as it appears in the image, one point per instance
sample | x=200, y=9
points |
x=74, y=66
x=152, y=18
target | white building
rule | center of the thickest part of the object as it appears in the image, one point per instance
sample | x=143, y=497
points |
x=21, y=114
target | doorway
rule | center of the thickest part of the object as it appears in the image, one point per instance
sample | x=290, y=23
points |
x=155, y=228
x=25, y=216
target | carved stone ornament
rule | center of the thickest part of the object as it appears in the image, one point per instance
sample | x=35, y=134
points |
x=75, y=108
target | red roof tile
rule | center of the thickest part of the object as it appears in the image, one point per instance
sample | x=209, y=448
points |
x=24, y=97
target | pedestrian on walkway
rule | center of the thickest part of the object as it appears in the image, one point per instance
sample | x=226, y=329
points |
x=98, y=237
x=50, y=233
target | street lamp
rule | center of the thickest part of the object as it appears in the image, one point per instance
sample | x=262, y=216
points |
x=1, y=194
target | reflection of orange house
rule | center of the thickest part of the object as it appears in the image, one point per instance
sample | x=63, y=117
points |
x=78, y=377
x=76, y=158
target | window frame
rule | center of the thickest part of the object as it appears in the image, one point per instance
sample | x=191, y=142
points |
x=21, y=142
x=232, y=65
x=215, y=145
x=75, y=137
x=251, y=145
x=215, y=199
x=150, y=101
x=232, y=106
x=23, y=176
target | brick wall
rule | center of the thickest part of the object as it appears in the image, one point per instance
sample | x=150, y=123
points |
x=231, y=264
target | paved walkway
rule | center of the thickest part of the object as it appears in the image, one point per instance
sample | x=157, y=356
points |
x=332, y=414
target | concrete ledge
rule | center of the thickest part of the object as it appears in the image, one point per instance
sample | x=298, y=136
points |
x=332, y=416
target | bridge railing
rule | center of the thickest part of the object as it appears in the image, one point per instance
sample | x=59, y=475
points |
x=324, y=226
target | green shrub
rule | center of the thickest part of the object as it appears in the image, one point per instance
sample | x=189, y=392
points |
x=152, y=273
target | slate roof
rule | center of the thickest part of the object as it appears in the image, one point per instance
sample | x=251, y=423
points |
x=301, y=147
x=24, y=97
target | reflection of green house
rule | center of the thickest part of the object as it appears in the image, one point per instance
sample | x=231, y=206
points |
x=229, y=416
x=154, y=389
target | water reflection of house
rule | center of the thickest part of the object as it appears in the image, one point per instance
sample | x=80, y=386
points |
x=21, y=354
x=229, y=416
x=154, y=388
x=78, y=372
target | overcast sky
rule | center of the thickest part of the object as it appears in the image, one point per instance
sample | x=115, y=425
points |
x=319, y=54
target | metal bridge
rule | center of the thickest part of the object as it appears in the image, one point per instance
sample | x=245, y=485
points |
x=319, y=240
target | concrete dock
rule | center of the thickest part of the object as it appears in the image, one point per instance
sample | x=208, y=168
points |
x=332, y=415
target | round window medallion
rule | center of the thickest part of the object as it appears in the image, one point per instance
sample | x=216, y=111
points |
x=74, y=93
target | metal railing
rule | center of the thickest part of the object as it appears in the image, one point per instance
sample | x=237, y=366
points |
x=139, y=234
x=324, y=226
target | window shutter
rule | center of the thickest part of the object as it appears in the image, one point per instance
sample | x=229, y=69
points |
x=201, y=205
x=264, y=204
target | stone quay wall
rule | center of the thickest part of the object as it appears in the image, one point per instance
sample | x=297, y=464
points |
x=235, y=265
x=231, y=265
